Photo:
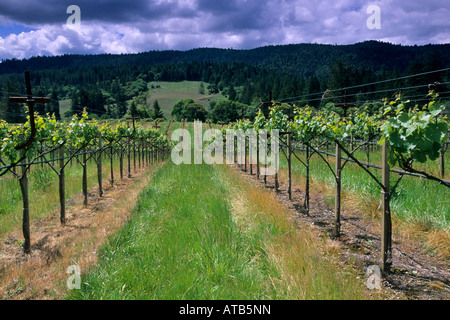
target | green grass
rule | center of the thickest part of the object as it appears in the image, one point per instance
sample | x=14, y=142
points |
x=182, y=242
x=170, y=93
x=64, y=106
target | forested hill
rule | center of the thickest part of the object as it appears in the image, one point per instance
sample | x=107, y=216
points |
x=303, y=60
x=106, y=84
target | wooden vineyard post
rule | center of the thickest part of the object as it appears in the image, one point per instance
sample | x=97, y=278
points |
x=337, y=195
x=147, y=152
x=139, y=155
x=26, y=209
x=306, y=204
x=368, y=153
x=235, y=141
x=386, y=223
x=62, y=187
x=112, y=169
x=30, y=101
x=441, y=161
x=99, y=167
x=129, y=156
x=265, y=167
x=250, y=155
x=289, y=155
x=144, y=156
x=134, y=156
x=85, y=191
x=245, y=153
x=121, y=163
x=276, y=170
x=257, y=157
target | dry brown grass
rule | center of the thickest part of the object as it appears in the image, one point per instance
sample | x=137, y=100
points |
x=42, y=275
x=434, y=241
x=307, y=263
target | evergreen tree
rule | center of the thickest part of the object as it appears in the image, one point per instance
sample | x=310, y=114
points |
x=53, y=106
x=132, y=109
x=232, y=93
x=11, y=112
x=201, y=90
x=312, y=87
x=118, y=94
x=157, y=113
x=75, y=107
x=40, y=107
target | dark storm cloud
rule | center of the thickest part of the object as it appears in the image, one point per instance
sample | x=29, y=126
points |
x=31, y=12
x=235, y=15
x=124, y=26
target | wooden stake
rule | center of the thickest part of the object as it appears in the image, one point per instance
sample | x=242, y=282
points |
x=85, y=191
x=289, y=154
x=99, y=167
x=337, y=195
x=257, y=158
x=121, y=163
x=112, y=169
x=23, y=181
x=306, y=204
x=441, y=161
x=386, y=223
x=62, y=188
x=129, y=156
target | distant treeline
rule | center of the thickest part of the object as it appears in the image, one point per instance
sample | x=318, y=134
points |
x=292, y=73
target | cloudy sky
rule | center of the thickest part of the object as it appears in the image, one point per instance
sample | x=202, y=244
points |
x=40, y=27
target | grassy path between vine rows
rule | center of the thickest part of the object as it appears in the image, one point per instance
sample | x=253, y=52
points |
x=204, y=232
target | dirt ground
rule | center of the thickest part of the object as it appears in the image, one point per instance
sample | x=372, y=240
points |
x=414, y=274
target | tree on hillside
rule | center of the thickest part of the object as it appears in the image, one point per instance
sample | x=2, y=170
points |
x=144, y=109
x=340, y=75
x=132, y=109
x=40, y=107
x=201, y=90
x=92, y=100
x=11, y=112
x=118, y=94
x=227, y=111
x=179, y=108
x=53, y=106
x=157, y=113
x=195, y=111
x=232, y=95
x=75, y=107
x=313, y=86
x=190, y=110
x=212, y=88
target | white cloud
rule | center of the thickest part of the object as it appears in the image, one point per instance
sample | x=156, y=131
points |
x=186, y=24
